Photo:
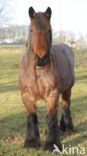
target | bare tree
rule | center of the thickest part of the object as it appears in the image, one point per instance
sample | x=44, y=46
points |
x=5, y=8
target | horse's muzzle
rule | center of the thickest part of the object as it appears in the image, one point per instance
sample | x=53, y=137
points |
x=42, y=61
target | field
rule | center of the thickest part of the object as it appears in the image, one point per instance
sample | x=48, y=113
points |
x=13, y=113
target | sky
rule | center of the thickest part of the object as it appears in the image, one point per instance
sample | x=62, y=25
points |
x=67, y=15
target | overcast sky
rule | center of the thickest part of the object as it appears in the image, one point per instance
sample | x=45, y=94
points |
x=67, y=15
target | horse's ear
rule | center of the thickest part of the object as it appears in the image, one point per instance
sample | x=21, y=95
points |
x=48, y=13
x=31, y=12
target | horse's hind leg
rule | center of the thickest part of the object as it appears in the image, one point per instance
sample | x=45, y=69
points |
x=32, y=136
x=66, y=120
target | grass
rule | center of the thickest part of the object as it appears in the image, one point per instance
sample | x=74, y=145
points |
x=13, y=114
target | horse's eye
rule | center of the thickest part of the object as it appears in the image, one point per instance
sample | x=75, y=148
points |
x=49, y=30
x=31, y=30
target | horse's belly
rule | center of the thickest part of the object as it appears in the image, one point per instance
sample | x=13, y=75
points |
x=63, y=64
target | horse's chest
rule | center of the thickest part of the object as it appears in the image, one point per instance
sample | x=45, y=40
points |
x=45, y=82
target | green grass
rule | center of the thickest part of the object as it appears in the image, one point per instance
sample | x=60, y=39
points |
x=13, y=114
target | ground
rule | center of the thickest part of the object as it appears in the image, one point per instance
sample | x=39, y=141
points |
x=13, y=113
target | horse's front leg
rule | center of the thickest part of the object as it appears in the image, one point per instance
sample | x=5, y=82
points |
x=32, y=136
x=52, y=136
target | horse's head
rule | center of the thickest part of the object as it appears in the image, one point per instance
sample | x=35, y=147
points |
x=40, y=35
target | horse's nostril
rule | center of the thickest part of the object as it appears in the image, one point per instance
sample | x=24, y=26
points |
x=41, y=61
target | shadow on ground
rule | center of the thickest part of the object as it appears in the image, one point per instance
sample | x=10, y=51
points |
x=9, y=87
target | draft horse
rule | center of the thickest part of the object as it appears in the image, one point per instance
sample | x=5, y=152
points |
x=46, y=71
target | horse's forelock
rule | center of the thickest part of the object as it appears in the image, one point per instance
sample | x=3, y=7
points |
x=41, y=22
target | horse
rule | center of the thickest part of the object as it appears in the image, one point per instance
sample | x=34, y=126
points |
x=46, y=71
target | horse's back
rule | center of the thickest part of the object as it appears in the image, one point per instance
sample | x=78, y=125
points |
x=63, y=64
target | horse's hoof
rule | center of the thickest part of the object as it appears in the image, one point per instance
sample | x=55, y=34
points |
x=31, y=144
x=60, y=132
x=75, y=130
x=70, y=132
x=51, y=146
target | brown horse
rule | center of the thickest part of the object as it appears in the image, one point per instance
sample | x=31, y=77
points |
x=46, y=71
